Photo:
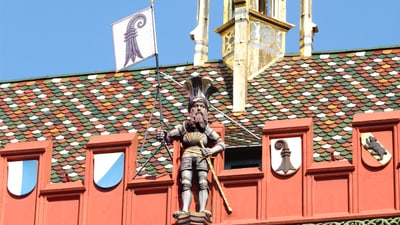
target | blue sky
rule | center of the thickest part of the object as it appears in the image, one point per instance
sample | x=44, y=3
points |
x=49, y=38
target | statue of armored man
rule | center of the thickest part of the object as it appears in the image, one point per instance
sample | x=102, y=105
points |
x=198, y=141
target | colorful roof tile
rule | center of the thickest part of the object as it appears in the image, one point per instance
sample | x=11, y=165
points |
x=329, y=87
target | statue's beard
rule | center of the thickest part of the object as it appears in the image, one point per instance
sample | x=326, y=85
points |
x=198, y=119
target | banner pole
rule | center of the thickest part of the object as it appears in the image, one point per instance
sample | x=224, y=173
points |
x=159, y=86
x=159, y=92
x=157, y=69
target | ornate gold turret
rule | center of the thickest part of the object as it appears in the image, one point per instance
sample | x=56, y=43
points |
x=253, y=37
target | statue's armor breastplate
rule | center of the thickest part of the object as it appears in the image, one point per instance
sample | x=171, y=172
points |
x=192, y=139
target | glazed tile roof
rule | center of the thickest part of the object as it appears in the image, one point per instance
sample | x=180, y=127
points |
x=329, y=87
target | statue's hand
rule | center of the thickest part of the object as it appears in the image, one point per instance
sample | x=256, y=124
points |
x=161, y=134
x=206, y=152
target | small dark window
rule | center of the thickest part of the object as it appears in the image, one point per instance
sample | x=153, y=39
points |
x=262, y=7
x=242, y=157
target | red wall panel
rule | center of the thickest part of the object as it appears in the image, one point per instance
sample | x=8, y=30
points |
x=150, y=206
x=62, y=211
x=19, y=210
x=330, y=194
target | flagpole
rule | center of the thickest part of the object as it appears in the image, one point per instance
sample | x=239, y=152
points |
x=159, y=86
x=160, y=103
x=159, y=92
x=158, y=72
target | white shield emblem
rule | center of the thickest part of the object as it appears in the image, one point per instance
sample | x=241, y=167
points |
x=22, y=177
x=285, y=155
x=108, y=169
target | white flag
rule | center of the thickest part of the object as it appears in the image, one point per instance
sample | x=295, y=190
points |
x=134, y=38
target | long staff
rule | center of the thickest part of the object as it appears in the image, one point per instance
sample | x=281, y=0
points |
x=159, y=97
x=210, y=165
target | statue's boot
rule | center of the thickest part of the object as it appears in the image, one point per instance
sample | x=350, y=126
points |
x=186, y=198
x=203, y=197
x=178, y=213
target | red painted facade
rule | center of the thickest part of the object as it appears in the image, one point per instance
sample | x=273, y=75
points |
x=317, y=192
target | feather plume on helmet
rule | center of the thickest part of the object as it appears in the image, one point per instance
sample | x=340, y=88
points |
x=199, y=89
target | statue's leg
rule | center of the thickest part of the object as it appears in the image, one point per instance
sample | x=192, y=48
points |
x=203, y=190
x=186, y=179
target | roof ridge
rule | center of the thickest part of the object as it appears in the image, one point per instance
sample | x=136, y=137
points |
x=45, y=77
x=291, y=54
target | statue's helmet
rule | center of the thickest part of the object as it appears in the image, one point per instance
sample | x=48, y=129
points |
x=199, y=89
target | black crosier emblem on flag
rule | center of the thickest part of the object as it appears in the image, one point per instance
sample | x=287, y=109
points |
x=132, y=47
